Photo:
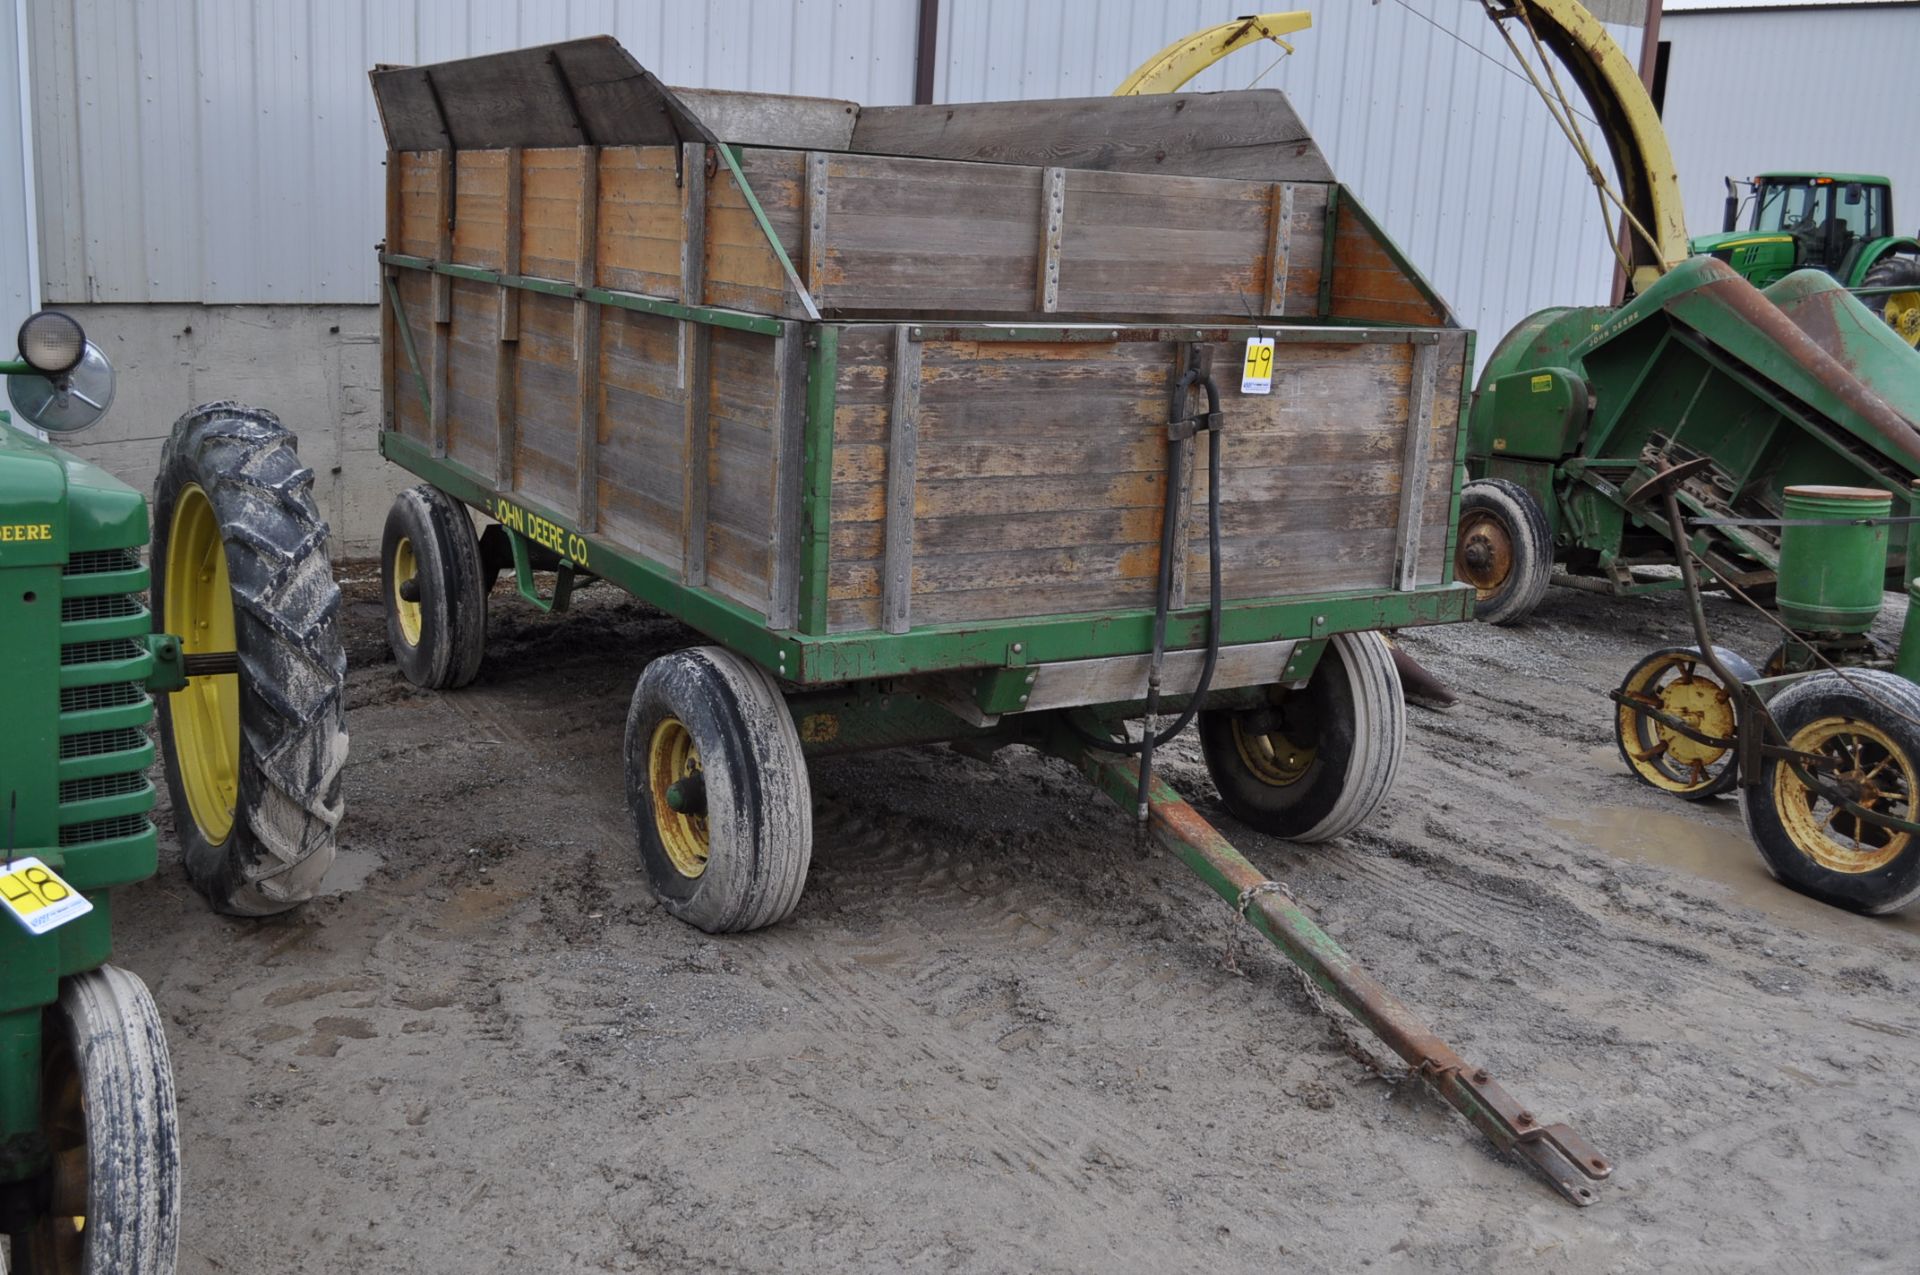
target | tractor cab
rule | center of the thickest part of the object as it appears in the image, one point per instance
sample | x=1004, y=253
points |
x=1836, y=222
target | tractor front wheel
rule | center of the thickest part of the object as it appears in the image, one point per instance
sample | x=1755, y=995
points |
x=1866, y=724
x=1900, y=309
x=253, y=757
x=1504, y=550
x=1319, y=761
x=107, y=1111
x=717, y=786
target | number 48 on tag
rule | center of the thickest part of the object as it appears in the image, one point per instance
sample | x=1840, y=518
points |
x=1256, y=374
x=36, y=896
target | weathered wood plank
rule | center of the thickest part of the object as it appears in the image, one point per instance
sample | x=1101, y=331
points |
x=1279, y=247
x=1251, y=134
x=789, y=475
x=1413, y=493
x=695, y=448
x=586, y=346
x=903, y=452
x=1053, y=207
x=814, y=257
x=442, y=300
x=389, y=330
x=772, y=119
x=507, y=324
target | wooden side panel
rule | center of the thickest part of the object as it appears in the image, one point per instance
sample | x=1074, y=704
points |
x=416, y=304
x=743, y=406
x=473, y=365
x=552, y=184
x=419, y=203
x=640, y=435
x=544, y=387
x=1308, y=251
x=480, y=209
x=1312, y=473
x=915, y=234
x=1368, y=283
x=639, y=224
x=1163, y=245
x=742, y=272
x=1038, y=484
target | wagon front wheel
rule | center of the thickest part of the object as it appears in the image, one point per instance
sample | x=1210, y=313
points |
x=1318, y=761
x=112, y=1197
x=1866, y=725
x=717, y=787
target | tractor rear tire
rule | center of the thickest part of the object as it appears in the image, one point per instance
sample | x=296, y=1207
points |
x=1868, y=721
x=1899, y=309
x=1319, y=763
x=429, y=550
x=1504, y=550
x=107, y=1101
x=736, y=859
x=254, y=759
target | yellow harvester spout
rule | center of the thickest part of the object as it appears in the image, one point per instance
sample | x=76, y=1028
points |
x=1186, y=57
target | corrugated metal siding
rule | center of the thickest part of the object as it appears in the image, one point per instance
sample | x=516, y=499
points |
x=19, y=289
x=227, y=151
x=1420, y=110
x=1785, y=90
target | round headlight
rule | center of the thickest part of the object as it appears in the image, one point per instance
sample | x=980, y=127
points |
x=51, y=343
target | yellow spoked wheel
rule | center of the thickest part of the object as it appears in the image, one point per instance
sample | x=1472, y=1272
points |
x=1678, y=683
x=1874, y=772
x=1902, y=312
x=1901, y=309
x=1830, y=838
x=206, y=715
x=672, y=758
x=1271, y=757
x=406, y=581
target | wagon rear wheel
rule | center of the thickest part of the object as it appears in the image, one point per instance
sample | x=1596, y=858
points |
x=433, y=590
x=1867, y=725
x=1504, y=550
x=1320, y=760
x=253, y=757
x=1679, y=683
x=717, y=786
x=112, y=1199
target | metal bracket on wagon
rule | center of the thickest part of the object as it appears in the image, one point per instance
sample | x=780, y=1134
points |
x=563, y=576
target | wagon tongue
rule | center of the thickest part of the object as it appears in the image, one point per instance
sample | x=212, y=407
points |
x=1568, y=1161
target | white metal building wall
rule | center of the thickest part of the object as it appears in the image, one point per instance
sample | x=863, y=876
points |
x=19, y=254
x=1792, y=89
x=227, y=151
x=1418, y=106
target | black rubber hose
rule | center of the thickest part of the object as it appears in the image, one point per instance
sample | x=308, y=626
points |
x=1144, y=746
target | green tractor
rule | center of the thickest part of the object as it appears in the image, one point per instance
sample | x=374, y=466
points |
x=249, y=673
x=1841, y=223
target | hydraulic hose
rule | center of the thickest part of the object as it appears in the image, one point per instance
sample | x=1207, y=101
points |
x=1182, y=440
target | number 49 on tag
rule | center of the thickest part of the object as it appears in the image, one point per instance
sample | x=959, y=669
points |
x=1256, y=374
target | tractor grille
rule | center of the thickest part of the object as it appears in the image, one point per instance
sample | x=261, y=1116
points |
x=104, y=750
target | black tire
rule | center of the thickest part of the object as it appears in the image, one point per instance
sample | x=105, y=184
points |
x=742, y=865
x=1868, y=717
x=1504, y=550
x=283, y=769
x=1661, y=757
x=1322, y=759
x=1900, y=309
x=438, y=637
x=108, y=1113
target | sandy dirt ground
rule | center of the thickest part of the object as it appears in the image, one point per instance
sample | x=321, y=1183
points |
x=998, y=1036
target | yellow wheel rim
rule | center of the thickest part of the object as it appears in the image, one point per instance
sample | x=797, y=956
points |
x=1878, y=775
x=205, y=715
x=1483, y=554
x=671, y=757
x=1679, y=685
x=1903, y=312
x=406, y=568
x=1272, y=759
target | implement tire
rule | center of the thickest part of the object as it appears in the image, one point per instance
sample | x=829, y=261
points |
x=429, y=551
x=254, y=759
x=1504, y=550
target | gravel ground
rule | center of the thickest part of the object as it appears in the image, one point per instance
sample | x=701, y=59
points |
x=998, y=1035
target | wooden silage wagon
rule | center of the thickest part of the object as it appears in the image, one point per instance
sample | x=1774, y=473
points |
x=879, y=400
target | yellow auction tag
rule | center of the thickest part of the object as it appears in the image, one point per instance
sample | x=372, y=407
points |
x=1256, y=374
x=37, y=897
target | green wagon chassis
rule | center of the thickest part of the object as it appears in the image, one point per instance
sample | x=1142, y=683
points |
x=969, y=684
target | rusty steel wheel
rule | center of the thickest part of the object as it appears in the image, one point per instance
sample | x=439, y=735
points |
x=1679, y=683
x=1503, y=549
x=1866, y=725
